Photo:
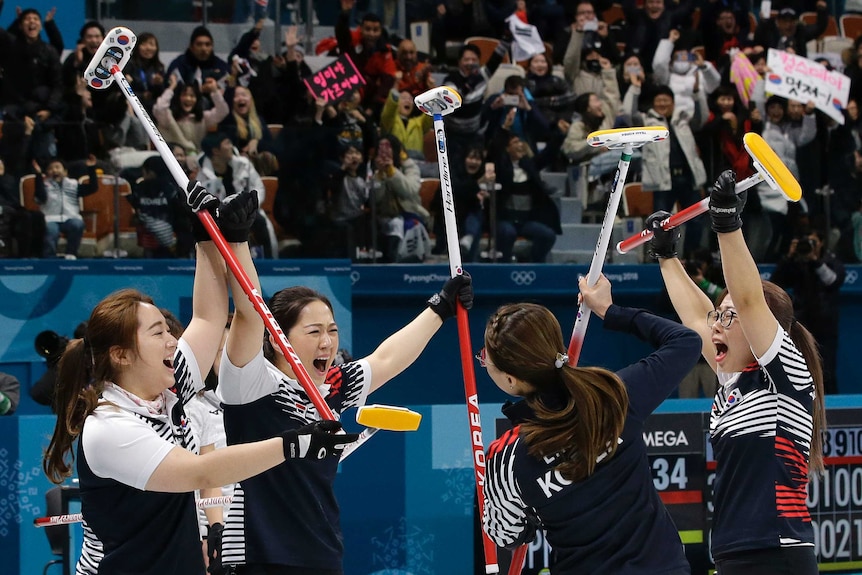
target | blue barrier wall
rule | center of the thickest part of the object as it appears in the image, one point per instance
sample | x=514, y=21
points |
x=406, y=499
x=387, y=297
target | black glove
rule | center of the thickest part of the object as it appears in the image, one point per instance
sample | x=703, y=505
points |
x=214, y=533
x=457, y=288
x=317, y=440
x=663, y=242
x=198, y=198
x=236, y=215
x=725, y=205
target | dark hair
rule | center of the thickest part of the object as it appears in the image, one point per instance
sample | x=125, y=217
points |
x=729, y=91
x=474, y=150
x=28, y=11
x=582, y=102
x=726, y=90
x=143, y=37
x=176, y=107
x=756, y=57
x=286, y=305
x=776, y=100
x=83, y=370
x=397, y=148
x=781, y=306
x=157, y=166
x=198, y=32
x=579, y=411
x=53, y=160
x=580, y=106
x=662, y=90
x=90, y=24
x=469, y=48
x=370, y=17
x=171, y=145
x=513, y=81
x=212, y=141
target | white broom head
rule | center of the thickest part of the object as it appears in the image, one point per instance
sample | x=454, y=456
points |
x=440, y=100
x=622, y=137
x=116, y=49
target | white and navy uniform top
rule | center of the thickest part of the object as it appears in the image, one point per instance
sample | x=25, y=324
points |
x=760, y=428
x=287, y=515
x=126, y=528
x=205, y=410
x=613, y=521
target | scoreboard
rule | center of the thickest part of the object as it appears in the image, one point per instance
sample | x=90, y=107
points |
x=683, y=471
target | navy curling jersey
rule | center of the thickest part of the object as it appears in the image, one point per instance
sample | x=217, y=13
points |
x=613, y=521
x=760, y=427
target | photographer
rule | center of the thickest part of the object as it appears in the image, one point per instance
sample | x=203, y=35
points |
x=51, y=345
x=813, y=275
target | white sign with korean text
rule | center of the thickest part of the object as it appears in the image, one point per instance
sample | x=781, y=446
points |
x=804, y=80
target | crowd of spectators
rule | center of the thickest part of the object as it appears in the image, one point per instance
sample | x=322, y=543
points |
x=350, y=172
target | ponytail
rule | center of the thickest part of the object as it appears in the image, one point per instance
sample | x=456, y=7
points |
x=579, y=412
x=84, y=368
x=74, y=399
x=781, y=306
x=586, y=428
x=807, y=346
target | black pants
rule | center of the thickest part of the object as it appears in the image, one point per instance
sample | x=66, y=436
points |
x=779, y=561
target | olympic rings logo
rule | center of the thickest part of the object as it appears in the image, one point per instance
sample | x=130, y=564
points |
x=354, y=277
x=523, y=278
x=851, y=277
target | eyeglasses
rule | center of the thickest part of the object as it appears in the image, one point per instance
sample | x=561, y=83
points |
x=482, y=358
x=725, y=318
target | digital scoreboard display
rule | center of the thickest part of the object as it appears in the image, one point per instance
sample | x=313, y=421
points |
x=683, y=471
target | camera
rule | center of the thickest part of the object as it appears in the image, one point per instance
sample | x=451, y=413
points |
x=50, y=345
x=511, y=100
x=804, y=247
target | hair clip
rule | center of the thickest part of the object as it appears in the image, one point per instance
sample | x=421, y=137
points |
x=562, y=359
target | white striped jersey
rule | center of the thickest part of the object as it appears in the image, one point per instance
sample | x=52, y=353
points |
x=761, y=426
x=287, y=515
x=127, y=522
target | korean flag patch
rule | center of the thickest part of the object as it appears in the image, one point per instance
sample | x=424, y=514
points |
x=733, y=398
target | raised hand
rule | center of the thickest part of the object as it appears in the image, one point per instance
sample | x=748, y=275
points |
x=725, y=206
x=663, y=244
x=236, y=215
x=458, y=288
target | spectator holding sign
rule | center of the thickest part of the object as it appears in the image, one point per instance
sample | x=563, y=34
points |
x=336, y=82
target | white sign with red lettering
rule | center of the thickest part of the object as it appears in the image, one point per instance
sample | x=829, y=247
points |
x=804, y=80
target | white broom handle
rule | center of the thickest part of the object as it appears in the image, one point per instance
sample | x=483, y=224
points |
x=598, y=261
